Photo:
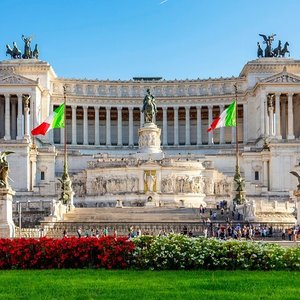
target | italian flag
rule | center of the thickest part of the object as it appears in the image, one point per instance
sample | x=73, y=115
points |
x=226, y=119
x=55, y=120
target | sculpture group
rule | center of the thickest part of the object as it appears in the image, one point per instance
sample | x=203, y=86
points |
x=279, y=51
x=16, y=53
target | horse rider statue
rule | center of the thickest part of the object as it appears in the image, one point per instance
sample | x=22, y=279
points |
x=27, y=49
x=259, y=51
x=268, y=41
x=277, y=50
x=35, y=53
x=149, y=108
x=14, y=52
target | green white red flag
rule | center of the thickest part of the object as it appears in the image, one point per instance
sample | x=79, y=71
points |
x=55, y=120
x=226, y=119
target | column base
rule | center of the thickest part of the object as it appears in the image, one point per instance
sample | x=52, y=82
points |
x=290, y=137
x=7, y=137
x=279, y=137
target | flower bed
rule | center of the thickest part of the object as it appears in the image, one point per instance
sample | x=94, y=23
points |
x=146, y=252
x=181, y=252
x=46, y=253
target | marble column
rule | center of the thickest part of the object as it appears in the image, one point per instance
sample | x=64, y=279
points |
x=14, y=119
x=271, y=114
x=165, y=126
x=19, y=118
x=62, y=136
x=277, y=117
x=176, y=128
x=262, y=114
x=210, y=118
x=265, y=169
x=245, y=123
x=7, y=117
x=199, y=126
x=267, y=122
x=291, y=135
x=120, y=136
x=141, y=118
x=222, y=132
x=187, y=126
x=108, y=127
x=130, y=126
x=85, y=126
x=97, y=138
x=26, y=117
x=74, y=125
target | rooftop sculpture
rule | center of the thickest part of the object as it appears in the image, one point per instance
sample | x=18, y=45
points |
x=269, y=51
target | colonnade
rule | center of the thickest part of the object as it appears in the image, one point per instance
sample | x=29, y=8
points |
x=14, y=116
x=181, y=125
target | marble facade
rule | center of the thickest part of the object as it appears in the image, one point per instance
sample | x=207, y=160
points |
x=104, y=122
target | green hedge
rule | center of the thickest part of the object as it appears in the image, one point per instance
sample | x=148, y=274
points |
x=181, y=252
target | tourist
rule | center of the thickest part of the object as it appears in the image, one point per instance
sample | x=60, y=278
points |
x=205, y=231
x=214, y=215
x=65, y=234
x=105, y=231
x=97, y=233
x=86, y=233
x=283, y=234
x=79, y=232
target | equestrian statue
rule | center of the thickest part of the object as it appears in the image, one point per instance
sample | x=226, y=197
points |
x=149, y=108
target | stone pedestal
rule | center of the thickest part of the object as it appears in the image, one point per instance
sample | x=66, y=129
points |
x=149, y=143
x=7, y=226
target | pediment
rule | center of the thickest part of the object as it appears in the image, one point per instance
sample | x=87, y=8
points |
x=14, y=79
x=282, y=77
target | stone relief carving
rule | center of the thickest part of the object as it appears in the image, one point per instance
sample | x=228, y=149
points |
x=79, y=188
x=102, y=185
x=208, y=186
x=222, y=187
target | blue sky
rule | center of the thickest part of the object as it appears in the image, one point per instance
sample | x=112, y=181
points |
x=120, y=39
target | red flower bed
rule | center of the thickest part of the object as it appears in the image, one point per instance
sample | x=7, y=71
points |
x=45, y=253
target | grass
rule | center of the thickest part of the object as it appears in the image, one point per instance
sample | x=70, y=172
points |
x=102, y=284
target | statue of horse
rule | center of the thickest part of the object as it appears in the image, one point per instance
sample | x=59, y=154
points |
x=285, y=49
x=149, y=108
x=27, y=49
x=14, y=53
x=259, y=51
x=277, y=50
x=35, y=53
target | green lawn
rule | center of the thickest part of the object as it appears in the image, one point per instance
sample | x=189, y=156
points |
x=103, y=284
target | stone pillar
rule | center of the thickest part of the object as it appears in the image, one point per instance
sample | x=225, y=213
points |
x=19, y=118
x=245, y=123
x=26, y=118
x=97, y=138
x=210, y=117
x=7, y=117
x=262, y=114
x=108, y=134
x=7, y=226
x=120, y=136
x=267, y=127
x=199, y=126
x=176, y=128
x=277, y=117
x=130, y=125
x=141, y=118
x=62, y=136
x=291, y=135
x=85, y=126
x=165, y=126
x=14, y=119
x=222, y=132
x=265, y=175
x=187, y=126
x=74, y=125
x=271, y=115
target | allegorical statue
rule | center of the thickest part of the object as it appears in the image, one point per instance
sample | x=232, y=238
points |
x=149, y=108
x=298, y=177
x=14, y=52
x=27, y=49
x=4, y=169
x=269, y=51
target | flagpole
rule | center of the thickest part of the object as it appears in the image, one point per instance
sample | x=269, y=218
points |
x=240, y=193
x=66, y=183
